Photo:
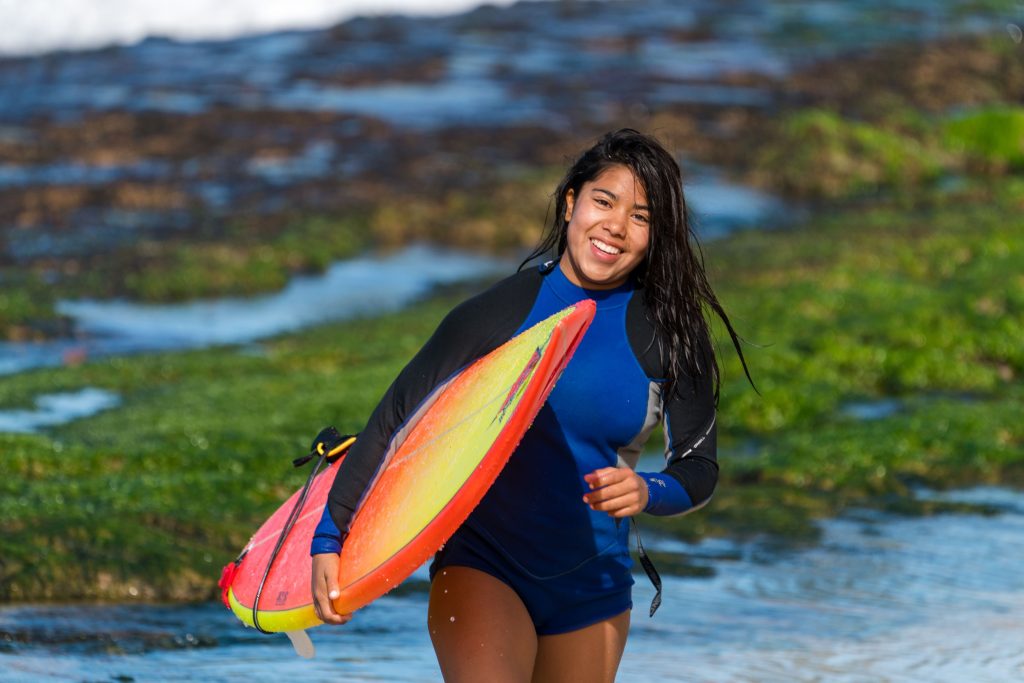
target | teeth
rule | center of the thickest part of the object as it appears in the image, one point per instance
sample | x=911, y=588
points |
x=606, y=248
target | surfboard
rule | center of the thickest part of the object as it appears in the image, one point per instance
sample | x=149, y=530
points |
x=463, y=436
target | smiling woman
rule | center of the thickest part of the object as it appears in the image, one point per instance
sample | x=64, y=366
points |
x=536, y=584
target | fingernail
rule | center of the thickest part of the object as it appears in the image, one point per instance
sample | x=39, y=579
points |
x=333, y=594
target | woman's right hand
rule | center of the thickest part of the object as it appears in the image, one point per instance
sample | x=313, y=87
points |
x=325, y=588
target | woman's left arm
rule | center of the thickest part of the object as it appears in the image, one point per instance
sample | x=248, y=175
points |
x=691, y=472
x=691, y=455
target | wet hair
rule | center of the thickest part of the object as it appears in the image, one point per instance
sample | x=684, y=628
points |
x=675, y=286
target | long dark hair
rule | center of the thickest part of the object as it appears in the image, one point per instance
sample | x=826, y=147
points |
x=675, y=286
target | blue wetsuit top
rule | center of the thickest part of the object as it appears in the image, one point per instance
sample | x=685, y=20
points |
x=600, y=414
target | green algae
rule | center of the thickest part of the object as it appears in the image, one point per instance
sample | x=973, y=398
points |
x=821, y=154
x=825, y=155
x=237, y=263
x=989, y=140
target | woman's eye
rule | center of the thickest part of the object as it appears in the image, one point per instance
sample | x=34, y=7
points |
x=602, y=202
x=641, y=218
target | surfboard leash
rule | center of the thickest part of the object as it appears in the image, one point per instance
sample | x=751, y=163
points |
x=648, y=566
x=328, y=446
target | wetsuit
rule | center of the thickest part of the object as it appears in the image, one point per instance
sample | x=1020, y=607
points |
x=568, y=563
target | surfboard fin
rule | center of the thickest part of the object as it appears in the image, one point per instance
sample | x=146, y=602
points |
x=302, y=644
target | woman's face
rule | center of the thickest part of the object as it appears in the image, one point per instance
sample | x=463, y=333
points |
x=609, y=229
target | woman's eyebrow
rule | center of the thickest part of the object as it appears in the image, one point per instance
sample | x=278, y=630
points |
x=642, y=207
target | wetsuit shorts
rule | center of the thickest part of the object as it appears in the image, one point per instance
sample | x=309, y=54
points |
x=594, y=591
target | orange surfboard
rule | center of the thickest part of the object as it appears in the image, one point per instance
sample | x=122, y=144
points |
x=449, y=459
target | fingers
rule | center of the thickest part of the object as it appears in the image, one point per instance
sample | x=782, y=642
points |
x=610, y=493
x=325, y=589
x=608, y=476
x=605, y=476
x=611, y=482
x=618, y=491
x=625, y=505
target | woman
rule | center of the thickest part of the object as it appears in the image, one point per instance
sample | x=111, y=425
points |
x=536, y=584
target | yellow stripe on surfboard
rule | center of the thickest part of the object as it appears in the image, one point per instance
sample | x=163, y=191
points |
x=295, y=619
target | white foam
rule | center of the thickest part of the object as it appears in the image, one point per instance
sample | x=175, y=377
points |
x=44, y=25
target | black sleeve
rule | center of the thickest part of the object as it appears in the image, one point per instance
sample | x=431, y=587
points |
x=691, y=436
x=688, y=413
x=472, y=329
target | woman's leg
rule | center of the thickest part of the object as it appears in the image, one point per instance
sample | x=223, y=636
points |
x=480, y=628
x=589, y=654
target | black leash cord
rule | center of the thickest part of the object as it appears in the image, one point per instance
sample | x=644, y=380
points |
x=338, y=445
x=296, y=509
x=648, y=566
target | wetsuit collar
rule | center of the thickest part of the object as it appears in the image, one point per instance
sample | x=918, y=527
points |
x=570, y=293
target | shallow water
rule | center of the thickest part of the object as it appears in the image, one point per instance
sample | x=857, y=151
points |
x=369, y=285
x=720, y=207
x=372, y=284
x=56, y=409
x=881, y=598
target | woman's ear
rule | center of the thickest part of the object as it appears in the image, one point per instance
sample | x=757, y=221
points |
x=570, y=202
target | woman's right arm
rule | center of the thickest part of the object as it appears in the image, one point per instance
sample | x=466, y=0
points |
x=383, y=434
x=471, y=330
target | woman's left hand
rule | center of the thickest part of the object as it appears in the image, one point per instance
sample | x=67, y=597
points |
x=619, y=491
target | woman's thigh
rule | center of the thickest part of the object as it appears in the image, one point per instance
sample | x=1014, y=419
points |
x=589, y=654
x=480, y=628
